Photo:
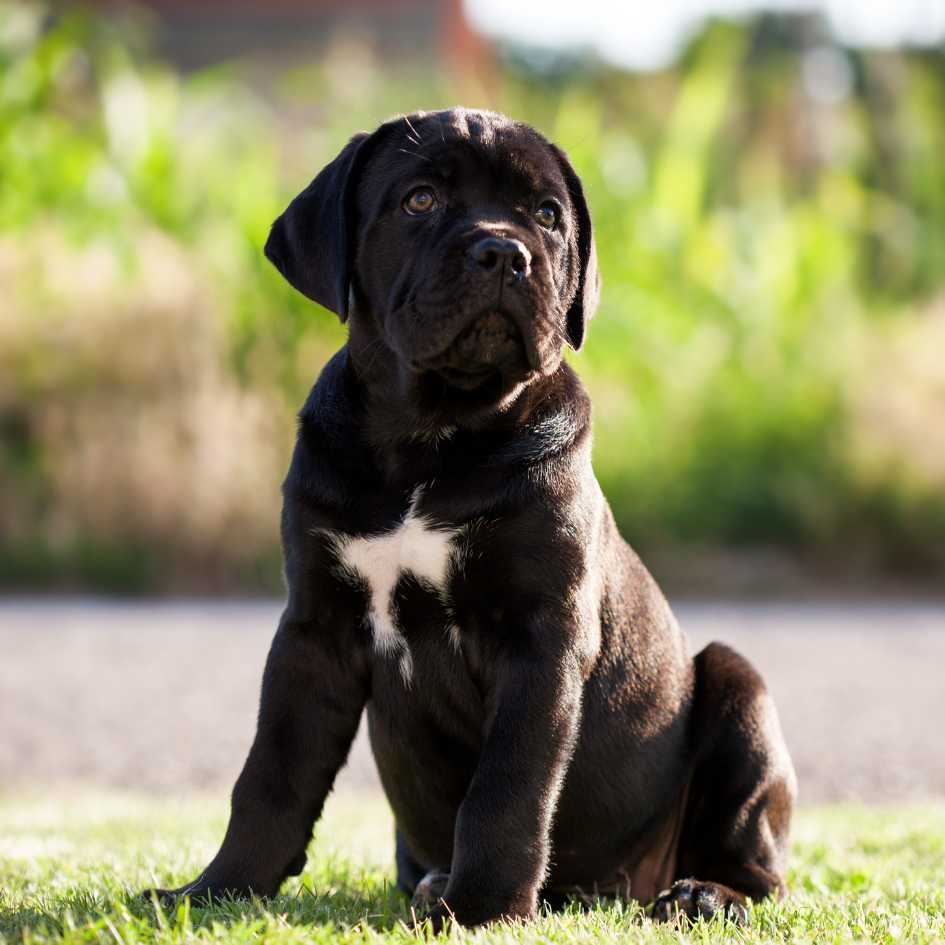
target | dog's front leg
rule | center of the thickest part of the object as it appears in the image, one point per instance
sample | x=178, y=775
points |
x=502, y=836
x=313, y=692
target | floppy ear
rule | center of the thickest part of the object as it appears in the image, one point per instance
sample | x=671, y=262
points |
x=584, y=304
x=312, y=243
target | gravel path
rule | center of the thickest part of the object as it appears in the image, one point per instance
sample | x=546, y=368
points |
x=162, y=696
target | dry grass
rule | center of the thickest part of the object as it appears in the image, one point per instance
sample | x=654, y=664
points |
x=122, y=386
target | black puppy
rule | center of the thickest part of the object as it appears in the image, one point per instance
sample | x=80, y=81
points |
x=539, y=725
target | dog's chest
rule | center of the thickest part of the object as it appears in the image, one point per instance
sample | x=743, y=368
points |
x=418, y=548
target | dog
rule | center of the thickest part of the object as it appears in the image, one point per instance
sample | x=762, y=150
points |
x=540, y=727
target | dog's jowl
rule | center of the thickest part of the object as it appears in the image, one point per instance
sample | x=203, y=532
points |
x=539, y=724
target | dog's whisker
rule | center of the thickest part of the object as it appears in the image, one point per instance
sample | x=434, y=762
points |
x=415, y=154
x=413, y=130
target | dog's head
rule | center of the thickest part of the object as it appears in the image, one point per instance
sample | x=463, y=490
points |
x=459, y=240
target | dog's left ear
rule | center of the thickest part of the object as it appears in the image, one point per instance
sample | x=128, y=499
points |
x=587, y=295
x=312, y=243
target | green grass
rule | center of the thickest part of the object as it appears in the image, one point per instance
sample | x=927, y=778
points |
x=69, y=871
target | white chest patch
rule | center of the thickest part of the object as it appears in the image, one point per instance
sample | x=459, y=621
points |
x=415, y=547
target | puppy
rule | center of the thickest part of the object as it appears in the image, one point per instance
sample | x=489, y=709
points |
x=540, y=727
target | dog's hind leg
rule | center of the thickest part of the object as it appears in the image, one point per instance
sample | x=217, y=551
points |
x=425, y=887
x=734, y=840
x=409, y=871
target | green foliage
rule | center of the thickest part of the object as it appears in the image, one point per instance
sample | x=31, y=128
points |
x=760, y=250
x=69, y=872
x=739, y=285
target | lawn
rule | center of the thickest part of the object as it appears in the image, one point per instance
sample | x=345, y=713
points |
x=69, y=869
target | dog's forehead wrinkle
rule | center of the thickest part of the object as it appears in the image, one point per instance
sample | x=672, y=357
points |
x=475, y=125
x=513, y=165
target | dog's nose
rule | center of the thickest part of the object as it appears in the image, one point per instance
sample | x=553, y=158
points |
x=493, y=252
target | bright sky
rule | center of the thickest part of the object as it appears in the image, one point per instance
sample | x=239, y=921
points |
x=647, y=34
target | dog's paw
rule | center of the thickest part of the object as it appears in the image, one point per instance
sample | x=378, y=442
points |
x=166, y=898
x=693, y=899
x=200, y=894
x=429, y=904
x=429, y=892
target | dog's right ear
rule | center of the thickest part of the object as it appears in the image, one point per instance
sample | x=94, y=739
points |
x=312, y=243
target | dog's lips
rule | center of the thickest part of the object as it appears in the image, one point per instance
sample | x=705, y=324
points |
x=489, y=345
x=467, y=378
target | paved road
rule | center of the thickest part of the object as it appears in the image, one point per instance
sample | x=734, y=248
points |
x=162, y=696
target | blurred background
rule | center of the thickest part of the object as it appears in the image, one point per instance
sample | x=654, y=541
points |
x=767, y=181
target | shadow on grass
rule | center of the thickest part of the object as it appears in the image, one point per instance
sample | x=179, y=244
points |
x=342, y=902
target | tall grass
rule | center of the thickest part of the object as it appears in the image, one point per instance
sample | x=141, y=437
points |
x=762, y=363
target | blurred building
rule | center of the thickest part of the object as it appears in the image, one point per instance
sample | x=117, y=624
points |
x=197, y=33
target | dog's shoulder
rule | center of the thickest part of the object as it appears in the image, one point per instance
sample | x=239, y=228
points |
x=328, y=462
x=331, y=406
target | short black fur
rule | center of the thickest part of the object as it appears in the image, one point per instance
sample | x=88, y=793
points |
x=540, y=727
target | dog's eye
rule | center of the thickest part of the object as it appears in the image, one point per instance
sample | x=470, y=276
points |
x=421, y=200
x=547, y=215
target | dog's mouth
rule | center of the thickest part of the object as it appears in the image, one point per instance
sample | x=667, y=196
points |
x=489, y=349
x=467, y=378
